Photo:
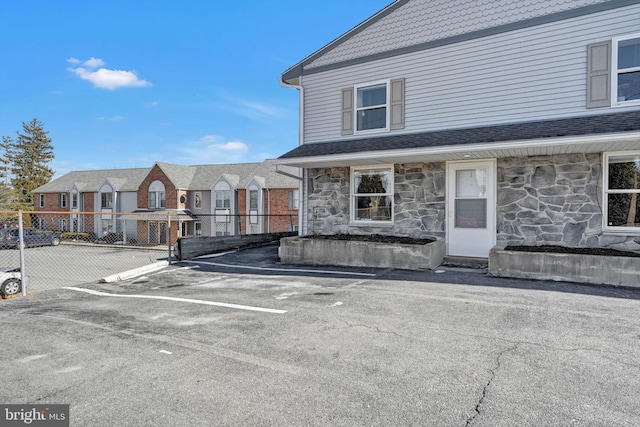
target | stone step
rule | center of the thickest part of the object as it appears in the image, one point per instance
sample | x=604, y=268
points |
x=461, y=261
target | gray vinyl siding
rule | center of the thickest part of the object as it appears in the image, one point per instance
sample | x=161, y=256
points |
x=423, y=21
x=535, y=73
x=128, y=202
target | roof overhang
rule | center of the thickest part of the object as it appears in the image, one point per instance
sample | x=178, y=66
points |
x=171, y=215
x=516, y=148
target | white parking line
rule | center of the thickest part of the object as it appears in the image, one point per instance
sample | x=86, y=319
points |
x=187, y=300
x=294, y=270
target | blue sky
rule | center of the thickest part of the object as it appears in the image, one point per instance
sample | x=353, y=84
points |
x=123, y=84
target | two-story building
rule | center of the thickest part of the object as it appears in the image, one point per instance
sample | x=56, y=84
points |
x=480, y=123
x=145, y=203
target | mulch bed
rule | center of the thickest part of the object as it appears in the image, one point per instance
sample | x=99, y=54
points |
x=579, y=251
x=378, y=238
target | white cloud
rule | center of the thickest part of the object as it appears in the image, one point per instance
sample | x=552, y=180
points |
x=94, y=63
x=105, y=78
x=209, y=138
x=210, y=149
x=231, y=146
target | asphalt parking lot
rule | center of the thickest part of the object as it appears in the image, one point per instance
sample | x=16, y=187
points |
x=241, y=340
x=50, y=267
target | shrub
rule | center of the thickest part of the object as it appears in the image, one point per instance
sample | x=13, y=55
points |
x=69, y=235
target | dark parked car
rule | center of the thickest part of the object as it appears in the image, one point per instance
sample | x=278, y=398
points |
x=9, y=238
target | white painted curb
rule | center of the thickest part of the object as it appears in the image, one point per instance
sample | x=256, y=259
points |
x=135, y=272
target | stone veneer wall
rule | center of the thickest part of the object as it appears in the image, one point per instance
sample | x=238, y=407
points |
x=554, y=200
x=542, y=200
x=419, y=202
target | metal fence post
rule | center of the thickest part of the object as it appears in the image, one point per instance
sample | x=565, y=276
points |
x=23, y=275
x=169, y=236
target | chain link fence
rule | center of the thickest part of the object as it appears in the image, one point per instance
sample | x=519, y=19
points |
x=51, y=250
x=40, y=251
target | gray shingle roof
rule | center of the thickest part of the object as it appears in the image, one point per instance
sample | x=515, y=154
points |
x=577, y=126
x=90, y=181
x=198, y=177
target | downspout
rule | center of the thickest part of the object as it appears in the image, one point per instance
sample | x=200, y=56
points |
x=268, y=210
x=300, y=88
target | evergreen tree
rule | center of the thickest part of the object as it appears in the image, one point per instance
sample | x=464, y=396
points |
x=7, y=195
x=28, y=159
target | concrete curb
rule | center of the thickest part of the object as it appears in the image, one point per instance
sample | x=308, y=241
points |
x=135, y=272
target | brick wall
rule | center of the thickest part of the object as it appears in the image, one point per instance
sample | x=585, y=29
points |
x=278, y=200
x=171, y=193
x=88, y=206
x=51, y=203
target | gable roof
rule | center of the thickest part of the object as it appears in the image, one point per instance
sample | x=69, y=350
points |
x=407, y=26
x=618, y=131
x=179, y=175
x=91, y=181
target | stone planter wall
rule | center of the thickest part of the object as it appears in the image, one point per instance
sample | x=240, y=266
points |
x=594, y=269
x=419, y=202
x=300, y=250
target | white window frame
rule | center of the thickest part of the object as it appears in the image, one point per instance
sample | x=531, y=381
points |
x=197, y=200
x=293, y=200
x=197, y=228
x=353, y=197
x=357, y=109
x=41, y=201
x=223, y=199
x=615, y=72
x=158, y=189
x=74, y=200
x=63, y=201
x=610, y=229
x=109, y=196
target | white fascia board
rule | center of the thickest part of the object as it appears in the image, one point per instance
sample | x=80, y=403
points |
x=459, y=148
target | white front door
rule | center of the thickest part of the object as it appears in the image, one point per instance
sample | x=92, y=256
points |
x=471, y=208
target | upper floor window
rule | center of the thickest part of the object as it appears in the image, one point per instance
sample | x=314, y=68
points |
x=62, y=200
x=106, y=200
x=197, y=200
x=622, y=191
x=293, y=199
x=626, y=66
x=371, y=107
x=157, y=195
x=74, y=200
x=223, y=199
x=41, y=200
x=253, y=199
x=372, y=194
